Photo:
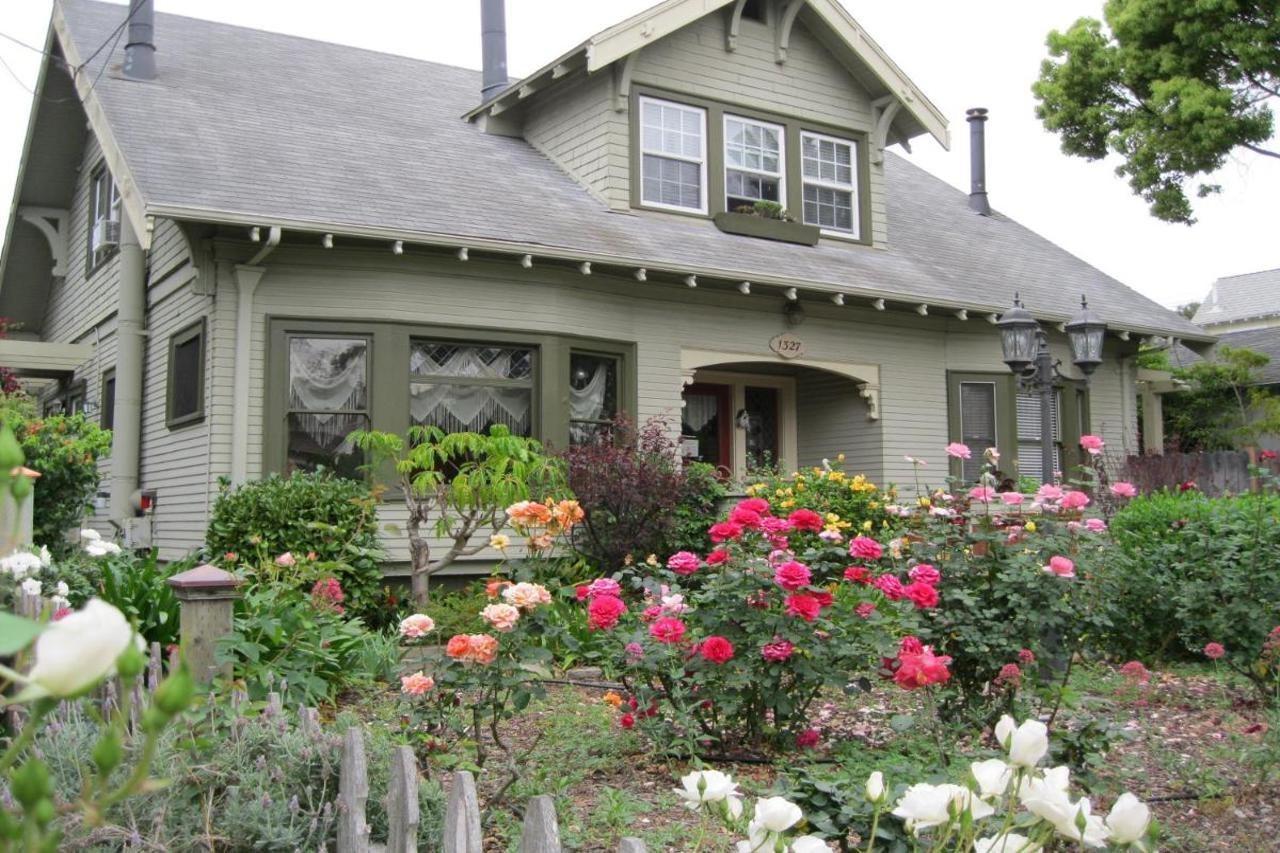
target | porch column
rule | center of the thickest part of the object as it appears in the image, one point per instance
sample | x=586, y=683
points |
x=1152, y=421
x=247, y=278
x=130, y=354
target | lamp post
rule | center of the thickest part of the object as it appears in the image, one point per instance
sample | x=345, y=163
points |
x=1026, y=351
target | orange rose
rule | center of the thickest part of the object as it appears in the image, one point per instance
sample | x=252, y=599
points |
x=484, y=648
x=529, y=514
x=613, y=699
x=495, y=586
x=567, y=514
x=459, y=646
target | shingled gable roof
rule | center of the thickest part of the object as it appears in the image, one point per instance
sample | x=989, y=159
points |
x=1241, y=297
x=245, y=127
x=625, y=39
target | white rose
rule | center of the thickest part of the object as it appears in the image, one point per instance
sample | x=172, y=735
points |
x=46, y=559
x=777, y=814
x=1008, y=843
x=80, y=649
x=809, y=844
x=1056, y=807
x=1128, y=819
x=1004, y=730
x=705, y=786
x=62, y=589
x=923, y=806
x=20, y=564
x=875, y=787
x=31, y=586
x=992, y=776
x=101, y=548
x=1029, y=743
x=90, y=535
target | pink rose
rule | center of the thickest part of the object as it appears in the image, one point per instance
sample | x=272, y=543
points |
x=417, y=625
x=982, y=493
x=1012, y=498
x=748, y=518
x=925, y=573
x=777, y=650
x=286, y=560
x=1095, y=525
x=805, y=520
x=1074, y=500
x=683, y=562
x=1048, y=492
x=667, y=630
x=804, y=605
x=503, y=617
x=1124, y=490
x=890, y=586
x=416, y=684
x=858, y=574
x=1092, y=443
x=718, y=557
x=724, y=530
x=865, y=548
x=759, y=506
x=604, y=586
x=1061, y=566
x=716, y=649
x=792, y=576
x=865, y=609
x=1214, y=651
x=922, y=595
x=956, y=450
x=604, y=612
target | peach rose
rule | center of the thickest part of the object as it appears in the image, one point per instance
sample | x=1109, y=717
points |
x=503, y=617
x=529, y=514
x=416, y=684
x=526, y=596
x=417, y=625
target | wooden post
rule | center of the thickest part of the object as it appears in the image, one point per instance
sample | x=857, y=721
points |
x=353, y=793
x=208, y=596
x=631, y=845
x=462, y=817
x=402, y=802
x=541, y=832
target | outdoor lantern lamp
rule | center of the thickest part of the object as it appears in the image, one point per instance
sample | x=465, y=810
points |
x=1086, y=332
x=1026, y=351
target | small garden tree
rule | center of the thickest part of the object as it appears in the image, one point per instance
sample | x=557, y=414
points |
x=461, y=481
x=1224, y=406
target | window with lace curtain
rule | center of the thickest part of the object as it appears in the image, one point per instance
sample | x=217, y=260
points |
x=328, y=400
x=471, y=387
x=593, y=395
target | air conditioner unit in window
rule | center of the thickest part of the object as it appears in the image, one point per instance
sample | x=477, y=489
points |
x=106, y=234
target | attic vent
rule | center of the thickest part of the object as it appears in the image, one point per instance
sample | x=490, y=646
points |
x=754, y=10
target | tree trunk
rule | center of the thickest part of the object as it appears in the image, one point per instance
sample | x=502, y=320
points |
x=419, y=561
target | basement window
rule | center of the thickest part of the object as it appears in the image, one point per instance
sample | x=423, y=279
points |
x=673, y=156
x=185, y=399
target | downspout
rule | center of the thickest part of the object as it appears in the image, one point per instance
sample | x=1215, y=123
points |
x=126, y=433
x=247, y=277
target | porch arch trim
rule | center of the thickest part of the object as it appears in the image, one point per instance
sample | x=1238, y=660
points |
x=867, y=376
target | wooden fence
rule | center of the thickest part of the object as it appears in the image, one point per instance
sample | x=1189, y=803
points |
x=462, y=828
x=1216, y=473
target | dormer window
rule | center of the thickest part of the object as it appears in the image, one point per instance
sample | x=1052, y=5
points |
x=830, y=189
x=754, y=162
x=673, y=155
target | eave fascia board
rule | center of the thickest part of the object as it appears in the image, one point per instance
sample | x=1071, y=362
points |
x=552, y=71
x=635, y=32
x=560, y=253
x=131, y=198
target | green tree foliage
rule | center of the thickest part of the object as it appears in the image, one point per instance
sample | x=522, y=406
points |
x=1171, y=86
x=462, y=482
x=65, y=449
x=1223, y=406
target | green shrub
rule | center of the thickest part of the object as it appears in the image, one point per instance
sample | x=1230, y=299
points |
x=703, y=491
x=1190, y=570
x=65, y=450
x=334, y=518
x=139, y=587
x=252, y=783
x=283, y=634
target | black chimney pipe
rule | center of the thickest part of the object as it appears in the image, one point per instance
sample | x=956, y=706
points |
x=493, y=34
x=977, y=118
x=140, y=50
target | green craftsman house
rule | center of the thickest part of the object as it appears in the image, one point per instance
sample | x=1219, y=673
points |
x=236, y=246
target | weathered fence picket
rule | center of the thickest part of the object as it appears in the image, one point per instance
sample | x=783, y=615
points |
x=463, y=831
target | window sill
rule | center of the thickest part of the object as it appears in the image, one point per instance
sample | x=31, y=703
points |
x=748, y=225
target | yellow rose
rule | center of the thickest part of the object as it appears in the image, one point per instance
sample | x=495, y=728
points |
x=1031, y=527
x=866, y=525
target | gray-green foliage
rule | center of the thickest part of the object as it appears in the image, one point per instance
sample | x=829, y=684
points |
x=235, y=783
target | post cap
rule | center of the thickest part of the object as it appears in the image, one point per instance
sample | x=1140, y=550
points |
x=205, y=577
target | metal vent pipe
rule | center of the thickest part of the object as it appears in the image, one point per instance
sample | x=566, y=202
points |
x=140, y=51
x=977, y=118
x=493, y=33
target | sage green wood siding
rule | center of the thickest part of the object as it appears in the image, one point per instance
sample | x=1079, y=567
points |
x=576, y=127
x=914, y=353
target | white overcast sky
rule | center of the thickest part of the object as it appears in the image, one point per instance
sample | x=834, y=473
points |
x=961, y=54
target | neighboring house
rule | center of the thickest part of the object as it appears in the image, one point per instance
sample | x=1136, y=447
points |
x=276, y=241
x=1243, y=311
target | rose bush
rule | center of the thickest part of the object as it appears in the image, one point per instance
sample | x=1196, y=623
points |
x=731, y=647
x=845, y=505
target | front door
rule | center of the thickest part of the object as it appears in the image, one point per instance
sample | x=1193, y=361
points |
x=705, y=426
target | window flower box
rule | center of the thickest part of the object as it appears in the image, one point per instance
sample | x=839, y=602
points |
x=750, y=225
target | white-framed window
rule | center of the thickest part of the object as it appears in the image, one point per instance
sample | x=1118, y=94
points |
x=754, y=162
x=105, y=203
x=673, y=155
x=829, y=169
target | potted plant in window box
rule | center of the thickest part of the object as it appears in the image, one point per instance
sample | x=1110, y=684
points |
x=768, y=220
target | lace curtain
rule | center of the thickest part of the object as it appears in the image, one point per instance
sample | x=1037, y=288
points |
x=327, y=376
x=587, y=403
x=699, y=409
x=469, y=408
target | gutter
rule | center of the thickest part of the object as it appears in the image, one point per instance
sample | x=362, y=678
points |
x=247, y=278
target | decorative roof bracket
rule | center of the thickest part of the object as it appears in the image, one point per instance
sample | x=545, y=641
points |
x=53, y=224
x=735, y=24
x=622, y=72
x=871, y=393
x=782, y=37
x=885, y=110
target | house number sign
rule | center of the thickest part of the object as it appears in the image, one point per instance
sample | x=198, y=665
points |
x=787, y=345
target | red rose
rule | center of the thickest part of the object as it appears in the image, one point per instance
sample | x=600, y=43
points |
x=921, y=670
x=865, y=609
x=890, y=586
x=759, y=506
x=717, y=557
x=777, y=650
x=804, y=605
x=1268, y=455
x=922, y=595
x=808, y=738
x=806, y=520
x=1009, y=674
x=667, y=630
x=1027, y=656
x=925, y=573
x=858, y=574
x=910, y=645
x=604, y=611
x=792, y=575
x=825, y=599
x=651, y=614
x=582, y=590
x=716, y=649
x=627, y=721
x=724, y=530
x=746, y=517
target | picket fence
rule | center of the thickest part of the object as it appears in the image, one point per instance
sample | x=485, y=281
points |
x=1215, y=473
x=462, y=828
